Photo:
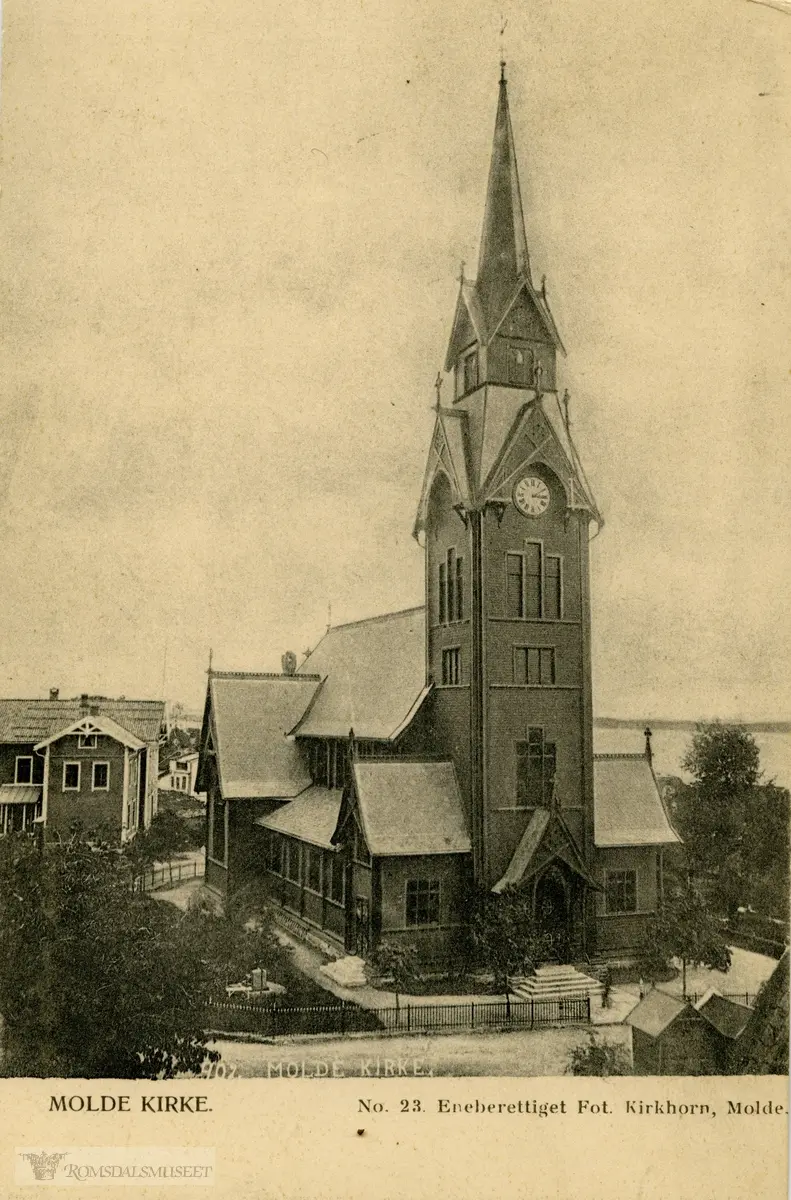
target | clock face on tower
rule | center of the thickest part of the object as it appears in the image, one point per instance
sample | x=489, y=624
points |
x=531, y=496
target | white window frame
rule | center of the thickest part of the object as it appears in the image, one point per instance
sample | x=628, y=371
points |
x=23, y=758
x=94, y=765
x=78, y=765
x=88, y=741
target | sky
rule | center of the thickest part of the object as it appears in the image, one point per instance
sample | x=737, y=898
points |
x=230, y=237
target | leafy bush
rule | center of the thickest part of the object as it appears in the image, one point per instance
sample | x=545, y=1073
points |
x=598, y=1058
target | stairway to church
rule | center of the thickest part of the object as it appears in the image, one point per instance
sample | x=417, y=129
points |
x=554, y=982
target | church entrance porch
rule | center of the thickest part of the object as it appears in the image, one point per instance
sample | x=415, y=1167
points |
x=552, y=912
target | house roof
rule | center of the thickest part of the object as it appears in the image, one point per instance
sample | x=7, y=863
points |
x=251, y=716
x=94, y=724
x=31, y=721
x=656, y=1012
x=312, y=817
x=410, y=807
x=627, y=805
x=727, y=1017
x=374, y=677
x=20, y=793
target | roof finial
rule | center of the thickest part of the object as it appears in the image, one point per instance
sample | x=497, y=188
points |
x=211, y=659
x=462, y=265
x=648, y=734
x=438, y=387
x=503, y=24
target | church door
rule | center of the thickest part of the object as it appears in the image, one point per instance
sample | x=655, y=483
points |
x=552, y=911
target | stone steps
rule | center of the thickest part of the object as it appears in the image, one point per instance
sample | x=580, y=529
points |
x=556, y=982
x=348, y=972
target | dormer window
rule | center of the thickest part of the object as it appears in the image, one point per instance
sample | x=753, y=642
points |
x=466, y=373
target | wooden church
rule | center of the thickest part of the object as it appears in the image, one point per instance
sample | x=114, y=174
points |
x=415, y=757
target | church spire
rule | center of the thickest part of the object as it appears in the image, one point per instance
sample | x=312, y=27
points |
x=503, y=257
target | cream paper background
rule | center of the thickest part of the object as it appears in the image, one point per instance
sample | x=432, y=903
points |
x=228, y=240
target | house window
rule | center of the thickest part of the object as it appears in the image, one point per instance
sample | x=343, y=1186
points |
x=451, y=666
x=470, y=369
x=422, y=902
x=101, y=777
x=534, y=584
x=520, y=365
x=71, y=777
x=23, y=769
x=87, y=741
x=536, y=761
x=621, y=891
x=459, y=588
x=313, y=869
x=534, y=665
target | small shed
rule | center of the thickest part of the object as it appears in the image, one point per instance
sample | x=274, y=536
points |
x=671, y=1037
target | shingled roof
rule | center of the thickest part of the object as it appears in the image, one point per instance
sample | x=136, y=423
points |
x=374, y=678
x=32, y=721
x=312, y=817
x=627, y=805
x=410, y=807
x=250, y=717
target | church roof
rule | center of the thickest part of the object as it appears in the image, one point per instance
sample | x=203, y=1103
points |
x=250, y=719
x=374, y=678
x=410, y=807
x=311, y=817
x=627, y=804
x=32, y=721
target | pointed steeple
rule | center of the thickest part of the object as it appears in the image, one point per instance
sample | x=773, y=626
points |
x=503, y=257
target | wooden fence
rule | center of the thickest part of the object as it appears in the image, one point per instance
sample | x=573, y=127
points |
x=274, y=1020
x=169, y=875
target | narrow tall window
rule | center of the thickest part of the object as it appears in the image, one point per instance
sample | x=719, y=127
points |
x=459, y=588
x=451, y=578
x=553, y=597
x=451, y=666
x=471, y=371
x=514, y=569
x=535, y=770
x=534, y=665
x=534, y=589
x=520, y=364
x=443, y=595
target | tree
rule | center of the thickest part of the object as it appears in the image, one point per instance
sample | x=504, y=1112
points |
x=684, y=928
x=94, y=980
x=598, y=1058
x=735, y=829
x=397, y=959
x=504, y=936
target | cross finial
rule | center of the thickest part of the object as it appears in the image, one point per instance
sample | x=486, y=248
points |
x=211, y=659
x=438, y=388
x=648, y=735
x=503, y=24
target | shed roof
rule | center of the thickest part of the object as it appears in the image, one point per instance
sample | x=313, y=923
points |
x=312, y=817
x=656, y=1012
x=31, y=721
x=374, y=676
x=251, y=716
x=20, y=793
x=727, y=1017
x=627, y=805
x=410, y=807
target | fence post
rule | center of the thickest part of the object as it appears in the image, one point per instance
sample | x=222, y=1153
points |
x=588, y=1007
x=408, y=1018
x=343, y=1010
x=472, y=1014
x=532, y=1012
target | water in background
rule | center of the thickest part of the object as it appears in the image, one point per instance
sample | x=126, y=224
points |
x=670, y=746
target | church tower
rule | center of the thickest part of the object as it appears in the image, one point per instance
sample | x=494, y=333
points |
x=505, y=517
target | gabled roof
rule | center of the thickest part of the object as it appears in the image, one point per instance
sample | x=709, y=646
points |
x=312, y=817
x=410, y=807
x=546, y=830
x=727, y=1017
x=250, y=716
x=105, y=726
x=656, y=1012
x=374, y=678
x=31, y=721
x=628, y=809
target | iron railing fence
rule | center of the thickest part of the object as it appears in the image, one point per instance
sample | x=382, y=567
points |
x=274, y=1020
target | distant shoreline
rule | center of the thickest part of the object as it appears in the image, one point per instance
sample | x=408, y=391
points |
x=666, y=723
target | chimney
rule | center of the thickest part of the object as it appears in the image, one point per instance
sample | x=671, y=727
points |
x=54, y=693
x=84, y=702
x=648, y=751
